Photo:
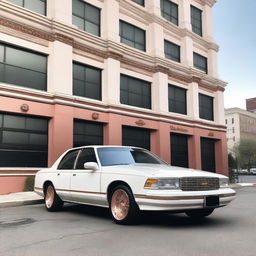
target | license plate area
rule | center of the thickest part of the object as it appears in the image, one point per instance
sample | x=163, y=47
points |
x=211, y=201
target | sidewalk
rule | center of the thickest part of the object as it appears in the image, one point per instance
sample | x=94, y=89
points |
x=29, y=198
x=21, y=198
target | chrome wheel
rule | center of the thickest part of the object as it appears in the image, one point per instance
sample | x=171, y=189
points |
x=49, y=196
x=120, y=204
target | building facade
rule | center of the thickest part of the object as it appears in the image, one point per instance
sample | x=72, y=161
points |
x=116, y=72
x=251, y=105
x=241, y=124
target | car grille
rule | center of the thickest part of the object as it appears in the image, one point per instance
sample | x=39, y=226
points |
x=199, y=183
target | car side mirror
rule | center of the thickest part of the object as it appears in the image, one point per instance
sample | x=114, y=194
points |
x=91, y=166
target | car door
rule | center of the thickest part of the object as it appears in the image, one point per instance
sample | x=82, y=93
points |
x=63, y=174
x=85, y=184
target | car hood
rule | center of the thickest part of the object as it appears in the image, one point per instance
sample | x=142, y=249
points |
x=160, y=171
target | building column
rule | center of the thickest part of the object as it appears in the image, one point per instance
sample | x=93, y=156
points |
x=221, y=155
x=160, y=92
x=153, y=7
x=192, y=100
x=60, y=132
x=113, y=131
x=187, y=51
x=111, y=81
x=60, y=10
x=110, y=18
x=219, y=110
x=212, y=63
x=194, y=151
x=207, y=23
x=160, y=142
x=60, y=72
x=185, y=21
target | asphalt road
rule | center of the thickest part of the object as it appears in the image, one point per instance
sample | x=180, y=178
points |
x=83, y=230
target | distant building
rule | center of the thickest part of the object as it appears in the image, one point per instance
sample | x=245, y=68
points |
x=251, y=104
x=241, y=124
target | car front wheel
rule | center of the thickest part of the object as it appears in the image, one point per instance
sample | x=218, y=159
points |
x=52, y=200
x=122, y=205
x=201, y=213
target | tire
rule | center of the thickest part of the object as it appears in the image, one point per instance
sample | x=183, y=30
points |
x=52, y=200
x=123, y=208
x=198, y=214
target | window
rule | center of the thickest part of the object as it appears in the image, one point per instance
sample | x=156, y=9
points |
x=23, y=68
x=200, y=62
x=132, y=36
x=86, y=81
x=208, y=154
x=135, y=92
x=86, y=17
x=87, y=155
x=205, y=107
x=196, y=20
x=232, y=120
x=87, y=133
x=23, y=141
x=226, y=121
x=68, y=160
x=137, y=137
x=172, y=51
x=233, y=130
x=179, y=150
x=38, y=6
x=140, y=2
x=169, y=11
x=177, y=99
x=234, y=138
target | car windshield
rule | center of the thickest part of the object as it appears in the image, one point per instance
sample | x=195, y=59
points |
x=125, y=156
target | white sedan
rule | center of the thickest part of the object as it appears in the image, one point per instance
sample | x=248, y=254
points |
x=127, y=180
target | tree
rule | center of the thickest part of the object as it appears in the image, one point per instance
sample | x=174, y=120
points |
x=245, y=152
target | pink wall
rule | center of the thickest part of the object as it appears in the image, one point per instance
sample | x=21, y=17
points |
x=11, y=184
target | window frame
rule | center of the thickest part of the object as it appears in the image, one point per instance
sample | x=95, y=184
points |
x=138, y=2
x=205, y=110
x=173, y=19
x=196, y=29
x=177, y=88
x=198, y=58
x=171, y=56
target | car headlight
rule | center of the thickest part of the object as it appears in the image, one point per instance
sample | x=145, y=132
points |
x=224, y=182
x=162, y=183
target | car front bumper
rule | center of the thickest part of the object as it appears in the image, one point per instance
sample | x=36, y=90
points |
x=177, y=200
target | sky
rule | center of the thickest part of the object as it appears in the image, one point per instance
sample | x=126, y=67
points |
x=234, y=24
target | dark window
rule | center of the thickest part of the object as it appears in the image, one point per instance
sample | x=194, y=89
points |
x=23, y=68
x=68, y=160
x=135, y=92
x=86, y=17
x=23, y=141
x=226, y=121
x=87, y=155
x=87, y=133
x=200, y=62
x=132, y=36
x=232, y=120
x=208, y=154
x=205, y=107
x=169, y=11
x=140, y=2
x=196, y=20
x=38, y=6
x=179, y=150
x=177, y=99
x=86, y=81
x=172, y=51
x=137, y=137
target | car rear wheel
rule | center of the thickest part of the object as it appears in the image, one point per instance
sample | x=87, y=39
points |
x=52, y=200
x=122, y=205
x=201, y=213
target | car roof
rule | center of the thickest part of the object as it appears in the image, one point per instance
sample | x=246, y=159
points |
x=104, y=146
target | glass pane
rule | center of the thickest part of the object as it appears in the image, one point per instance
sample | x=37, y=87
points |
x=79, y=88
x=92, y=28
x=26, y=59
x=93, y=91
x=16, y=122
x=68, y=161
x=78, y=22
x=92, y=14
x=127, y=31
x=127, y=42
x=18, y=2
x=38, y=139
x=2, y=73
x=36, y=124
x=78, y=72
x=92, y=75
x=1, y=53
x=35, y=6
x=87, y=155
x=15, y=137
x=78, y=8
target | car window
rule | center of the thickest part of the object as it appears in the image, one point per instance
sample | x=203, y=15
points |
x=87, y=155
x=68, y=160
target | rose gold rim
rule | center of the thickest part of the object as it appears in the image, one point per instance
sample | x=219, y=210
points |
x=49, y=197
x=120, y=204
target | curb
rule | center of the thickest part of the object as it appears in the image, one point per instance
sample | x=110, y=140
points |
x=20, y=203
x=239, y=185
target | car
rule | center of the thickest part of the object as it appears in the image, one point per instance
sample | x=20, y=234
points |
x=128, y=180
x=253, y=170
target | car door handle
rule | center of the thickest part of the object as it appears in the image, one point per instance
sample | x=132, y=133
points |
x=74, y=174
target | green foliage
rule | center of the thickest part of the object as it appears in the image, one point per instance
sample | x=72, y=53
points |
x=29, y=184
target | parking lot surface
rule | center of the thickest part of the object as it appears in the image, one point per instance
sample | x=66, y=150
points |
x=84, y=230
